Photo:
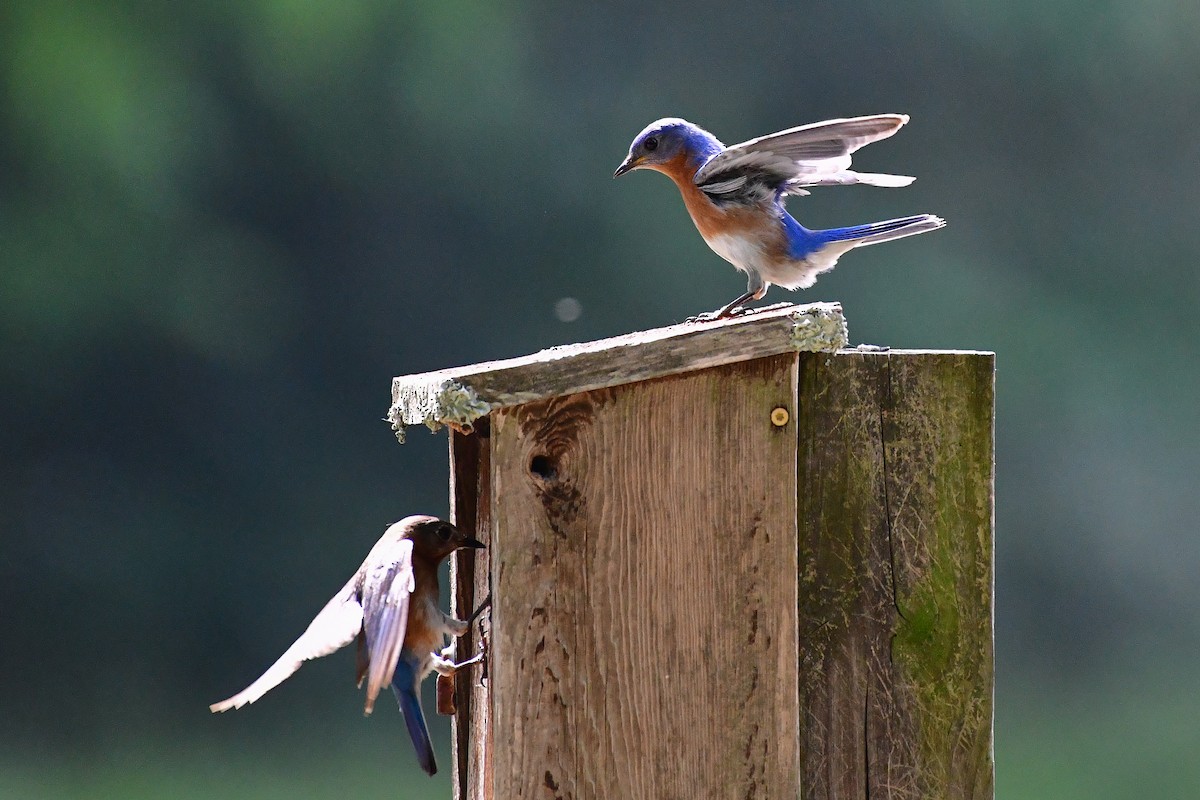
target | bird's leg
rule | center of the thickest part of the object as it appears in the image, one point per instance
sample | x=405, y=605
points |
x=475, y=659
x=734, y=308
x=447, y=672
x=756, y=288
x=459, y=627
x=443, y=662
x=454, y=627
x=486, y=604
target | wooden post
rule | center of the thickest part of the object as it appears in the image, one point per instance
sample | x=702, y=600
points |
x=727, y=560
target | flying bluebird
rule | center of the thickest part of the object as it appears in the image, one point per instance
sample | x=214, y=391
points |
x=391, y=607
x=735, y=194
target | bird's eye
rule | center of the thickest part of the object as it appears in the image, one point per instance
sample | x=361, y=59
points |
x=651, y=144
x=445, y=532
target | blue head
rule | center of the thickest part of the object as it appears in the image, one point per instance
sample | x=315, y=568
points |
x=668, y=142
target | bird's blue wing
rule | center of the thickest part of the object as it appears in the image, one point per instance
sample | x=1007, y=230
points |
x=387, y=586
x=407, y=689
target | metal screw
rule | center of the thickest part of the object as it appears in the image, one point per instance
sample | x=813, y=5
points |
x=780, y=417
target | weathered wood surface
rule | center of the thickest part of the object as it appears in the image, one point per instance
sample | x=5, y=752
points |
x=470, y=509
x=644, y=567
x=645, y=540
x=895, y=522
x=457, y=397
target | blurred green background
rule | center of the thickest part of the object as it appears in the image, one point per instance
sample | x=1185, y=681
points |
x=224, y=227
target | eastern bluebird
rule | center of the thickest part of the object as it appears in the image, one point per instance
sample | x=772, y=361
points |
x=735, y=194
x=391, y=607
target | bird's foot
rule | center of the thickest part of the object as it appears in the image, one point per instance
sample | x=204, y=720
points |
x=459, y=627
x=475, y=659
x=447, y=677
x=736, y=309
x=720, y=313
x=443, y=660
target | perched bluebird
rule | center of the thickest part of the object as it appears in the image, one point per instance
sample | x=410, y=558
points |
x=391, y=607
x=735, y=194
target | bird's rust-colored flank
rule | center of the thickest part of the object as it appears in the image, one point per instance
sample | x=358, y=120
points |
x=424, y=633
x=711, y=220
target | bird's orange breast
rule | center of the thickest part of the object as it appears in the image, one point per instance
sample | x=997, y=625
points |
x=711, y=220
x=423, y=632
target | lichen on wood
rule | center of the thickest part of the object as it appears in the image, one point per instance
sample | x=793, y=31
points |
x=819, y=329
x=435, y=404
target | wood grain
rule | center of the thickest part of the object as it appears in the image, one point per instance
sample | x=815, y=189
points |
x=939, y=450
x=470, y=509
x=457, y=397
x=692, y=602
x=895, y=526
x=644, y=569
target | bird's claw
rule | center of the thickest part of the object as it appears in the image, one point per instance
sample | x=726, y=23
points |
x=447, y=678
x=475, y=659
x=713, y=316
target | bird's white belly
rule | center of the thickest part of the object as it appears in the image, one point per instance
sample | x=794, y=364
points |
x=744, y=252
x=748, y=254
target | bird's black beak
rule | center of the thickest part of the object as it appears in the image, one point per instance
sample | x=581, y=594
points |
x=626, y=165
x=474, y=544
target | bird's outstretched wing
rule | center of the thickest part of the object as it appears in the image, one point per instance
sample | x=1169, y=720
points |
x=333, y=628
x=784, y=162
x=388, y=584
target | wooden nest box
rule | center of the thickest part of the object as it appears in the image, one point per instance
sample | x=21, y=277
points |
x=727, y=560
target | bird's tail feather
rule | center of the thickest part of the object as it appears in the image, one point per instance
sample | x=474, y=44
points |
x=885, y=231
x=414, y=720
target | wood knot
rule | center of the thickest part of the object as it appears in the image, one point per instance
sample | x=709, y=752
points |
x=553, y=428
x=543, y=467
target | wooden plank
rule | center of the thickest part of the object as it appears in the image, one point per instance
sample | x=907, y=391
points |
x=895, y=525
x=645, y=594
x=844, y=590
x=939, y=450
x=470, y=509
x=457, y=397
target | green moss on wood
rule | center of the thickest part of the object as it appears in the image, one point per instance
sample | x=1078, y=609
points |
x=894, y=511
x=943, y=634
